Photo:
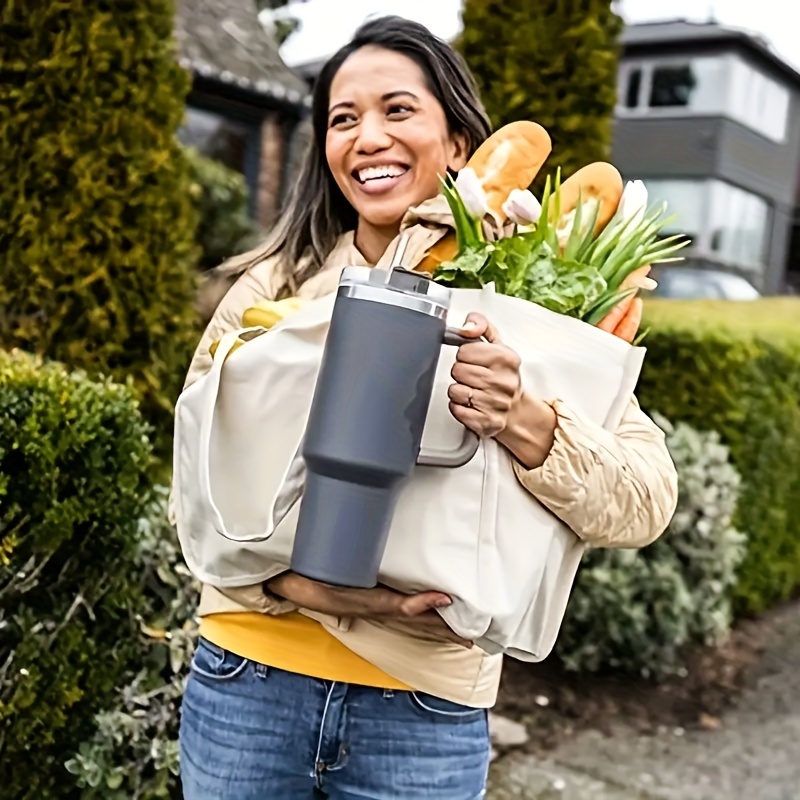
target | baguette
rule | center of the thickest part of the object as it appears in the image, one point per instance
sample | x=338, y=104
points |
x=509, y=159
x=598, y=183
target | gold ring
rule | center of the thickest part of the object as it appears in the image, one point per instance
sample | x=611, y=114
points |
x=469, y=400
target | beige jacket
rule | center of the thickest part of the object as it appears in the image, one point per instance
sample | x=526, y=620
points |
x=613, y=489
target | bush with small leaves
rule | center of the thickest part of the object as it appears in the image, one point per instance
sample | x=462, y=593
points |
x=75, y=462
x=637, y=611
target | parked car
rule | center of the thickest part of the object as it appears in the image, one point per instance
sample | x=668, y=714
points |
x=689, y=283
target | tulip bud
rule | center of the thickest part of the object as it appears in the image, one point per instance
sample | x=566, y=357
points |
x=522, y=208
x=469, y=188
x=633, y=203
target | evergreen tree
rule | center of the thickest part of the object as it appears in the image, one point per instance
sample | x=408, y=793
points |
x=550, y=61
x=97, y=250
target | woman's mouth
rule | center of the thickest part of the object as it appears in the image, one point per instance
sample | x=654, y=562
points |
x=381, y=178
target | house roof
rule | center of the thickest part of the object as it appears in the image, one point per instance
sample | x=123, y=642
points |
x=224, y=41
x=681, y=34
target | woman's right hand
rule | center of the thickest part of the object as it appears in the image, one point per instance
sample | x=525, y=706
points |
x=412, y=613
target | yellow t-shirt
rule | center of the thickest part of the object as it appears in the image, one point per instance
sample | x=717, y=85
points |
x=294, y=643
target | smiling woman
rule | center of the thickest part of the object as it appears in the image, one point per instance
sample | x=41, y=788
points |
x=302, y=690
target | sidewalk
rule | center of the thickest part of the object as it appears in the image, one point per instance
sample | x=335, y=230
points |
x=751, y=753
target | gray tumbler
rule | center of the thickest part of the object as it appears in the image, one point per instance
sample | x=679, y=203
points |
x=367, y=416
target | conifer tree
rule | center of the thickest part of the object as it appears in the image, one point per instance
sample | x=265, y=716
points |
x=97, y=253
x=550, y=61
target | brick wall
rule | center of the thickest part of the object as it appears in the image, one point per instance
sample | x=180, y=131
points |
x=270, y=172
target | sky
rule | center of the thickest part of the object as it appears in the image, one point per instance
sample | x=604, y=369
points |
x=328, y=24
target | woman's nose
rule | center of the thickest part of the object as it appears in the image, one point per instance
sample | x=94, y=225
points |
x=372, y=135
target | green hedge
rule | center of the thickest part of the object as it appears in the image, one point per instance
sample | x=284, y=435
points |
x=735, y=368
x=74, y=464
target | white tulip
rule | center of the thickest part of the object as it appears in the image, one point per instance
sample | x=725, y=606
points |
x=522, y=208
x=471, y=191
x=633, y=203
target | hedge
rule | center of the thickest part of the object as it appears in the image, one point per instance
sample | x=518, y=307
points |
x=74, y=464
x=97, y=242
x=735, y=368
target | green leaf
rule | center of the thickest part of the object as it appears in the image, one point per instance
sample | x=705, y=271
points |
x=464, y=271
x=598, y=312
x=469, y=233
x=575, y=237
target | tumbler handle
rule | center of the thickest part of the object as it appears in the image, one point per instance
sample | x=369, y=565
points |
x=471, y=441
x=453, y=338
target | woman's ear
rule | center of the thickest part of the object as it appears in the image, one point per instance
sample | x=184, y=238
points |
x=459, y=152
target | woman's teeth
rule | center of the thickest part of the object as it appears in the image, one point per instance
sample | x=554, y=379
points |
x=376, y=173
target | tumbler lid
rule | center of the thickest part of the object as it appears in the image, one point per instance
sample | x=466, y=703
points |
x=415, y=286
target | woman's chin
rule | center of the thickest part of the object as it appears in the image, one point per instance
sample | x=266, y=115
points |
x=386, y=220
x=389, y=214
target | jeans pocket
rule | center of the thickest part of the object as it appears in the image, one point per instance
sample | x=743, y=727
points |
x=216, y=664
x=444, y=709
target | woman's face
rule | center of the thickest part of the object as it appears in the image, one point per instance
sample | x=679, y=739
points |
x=388, y=139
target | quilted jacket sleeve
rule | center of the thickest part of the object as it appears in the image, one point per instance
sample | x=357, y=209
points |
x=613, y=489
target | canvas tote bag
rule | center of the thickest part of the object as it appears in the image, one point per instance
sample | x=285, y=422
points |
x=471, y=531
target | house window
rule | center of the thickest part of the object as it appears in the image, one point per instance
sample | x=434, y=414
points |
x=672, y=86
x=737, y=225
x=726, y=224
x=686, y=203
x=726, y=85
x=219, y=137
x=633, y=88
x=758, y=101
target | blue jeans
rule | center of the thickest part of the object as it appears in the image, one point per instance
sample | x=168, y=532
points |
x=250, y=732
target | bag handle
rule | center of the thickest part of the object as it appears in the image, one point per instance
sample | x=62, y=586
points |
x=213, y=378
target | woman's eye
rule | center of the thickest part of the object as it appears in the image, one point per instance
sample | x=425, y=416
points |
x=341, y=119
x=398, y=109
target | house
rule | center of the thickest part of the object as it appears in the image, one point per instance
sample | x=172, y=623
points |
x=246, y=107
x=709, y=118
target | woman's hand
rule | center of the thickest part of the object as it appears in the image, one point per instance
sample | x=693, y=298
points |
x=413, y=613
x=487, y=396
x=487, y=388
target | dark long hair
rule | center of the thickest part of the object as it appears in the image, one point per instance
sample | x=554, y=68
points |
x=316, y=212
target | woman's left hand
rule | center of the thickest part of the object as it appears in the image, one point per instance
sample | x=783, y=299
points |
x=487, y=389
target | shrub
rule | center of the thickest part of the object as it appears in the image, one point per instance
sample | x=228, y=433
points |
x=74, y=459
x=134, y=749
x=735, y=368
x=550, y=61
x=636, y=610
x=97, y=254
x=221, y=199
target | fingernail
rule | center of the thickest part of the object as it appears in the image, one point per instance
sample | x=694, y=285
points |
x=443, y=603
x=471, y=325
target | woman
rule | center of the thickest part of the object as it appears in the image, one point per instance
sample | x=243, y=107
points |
x=301, y=690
